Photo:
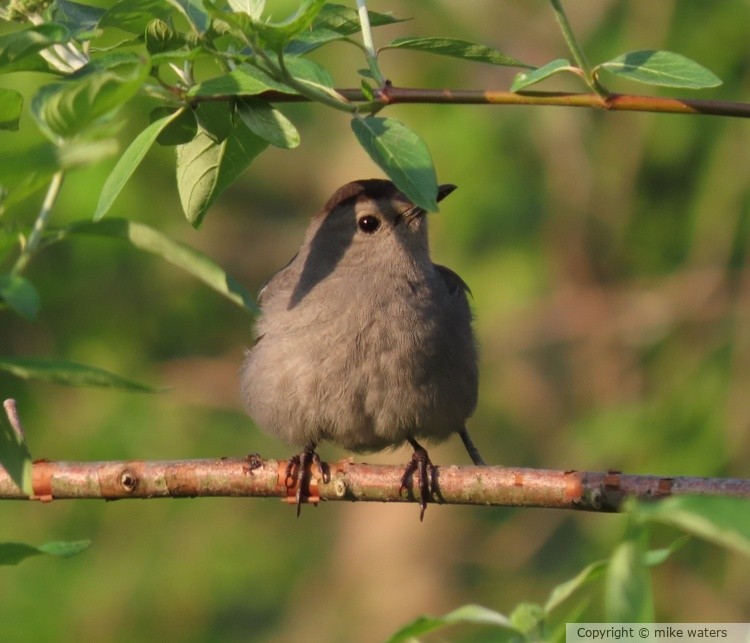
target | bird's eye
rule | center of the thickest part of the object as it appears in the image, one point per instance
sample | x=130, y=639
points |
x=368, y=223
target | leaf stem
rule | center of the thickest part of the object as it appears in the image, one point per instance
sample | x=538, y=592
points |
x=575, y=49
x=368, y=43
x=31, y=246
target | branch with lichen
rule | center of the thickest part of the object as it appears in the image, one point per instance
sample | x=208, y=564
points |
x=349, y=481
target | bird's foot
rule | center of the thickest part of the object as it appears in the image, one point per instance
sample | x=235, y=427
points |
x=303, y=475
x=421, y=465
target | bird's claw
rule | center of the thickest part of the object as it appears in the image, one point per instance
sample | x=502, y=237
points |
x=421, y=464
x=303, y=462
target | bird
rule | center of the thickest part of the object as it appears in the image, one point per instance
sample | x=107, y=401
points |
x=363, y=341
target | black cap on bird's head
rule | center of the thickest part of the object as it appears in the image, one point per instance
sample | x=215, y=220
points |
x=375, y=189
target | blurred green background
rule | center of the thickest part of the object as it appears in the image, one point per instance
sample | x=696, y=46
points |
x=607, y=254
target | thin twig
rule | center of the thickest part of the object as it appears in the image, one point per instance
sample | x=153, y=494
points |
x=390, y=95
x=253, y=476
x=11, y=412
x=40, y=224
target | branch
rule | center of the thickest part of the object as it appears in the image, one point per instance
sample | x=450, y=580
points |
x=253, y=476
x=390, y=95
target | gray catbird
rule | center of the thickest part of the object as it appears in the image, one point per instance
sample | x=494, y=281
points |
x=362, y=340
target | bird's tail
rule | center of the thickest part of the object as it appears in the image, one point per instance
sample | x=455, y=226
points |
x=472, y=450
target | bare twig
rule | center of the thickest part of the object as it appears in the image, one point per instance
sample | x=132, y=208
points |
x=253, y=476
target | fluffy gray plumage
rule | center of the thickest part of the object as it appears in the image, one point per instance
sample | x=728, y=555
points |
x=362, y=340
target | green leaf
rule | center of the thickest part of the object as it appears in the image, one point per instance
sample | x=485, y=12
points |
x=20, y=295
x=14, y=553
x=15, y=457
x=181, y=129
x=345, y=20
x=595, y=570
x=527, y=78
x=458, y=49
x=663, y=68
x=69, y=107
x=61, y=371
x=194, y=11
x=11, y=105
x=334, y=22
x=565, y=590
x=206, y=168
x=19, y=45
x=81, y=151
x=277, y=35
x=471, y=614
x=215, y=118
x=309, y=72
x=79, y=18
x=133, y=16
x=723, y=521
x=128, y=162
x=628, y=596
x=244, y=80
x=191, y=261
x=253, y=8
x=269, y=123
x=402, y=155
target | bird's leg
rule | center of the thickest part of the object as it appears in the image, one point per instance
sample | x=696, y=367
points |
x=420, y=463
x=473, y=452
x=304, y=462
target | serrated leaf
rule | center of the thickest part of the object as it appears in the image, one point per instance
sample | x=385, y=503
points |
x=18, y=293
x=264, y=120
x=527, y=78
x=61, y=371
x=134, y=15
x=128, y=163
x=402, y=155
x=19, y=45
x=11, y=105
x=471, y=614
x=244, y=80
x=15, y=457
x=663, y=68
x=628, y=596
x=66, y=108
x=14, y=553
x=191, y=261
x=456, y=48
x=723, y=521
x=206, y=168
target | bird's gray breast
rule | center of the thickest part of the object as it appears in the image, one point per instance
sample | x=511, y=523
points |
x=362, y=367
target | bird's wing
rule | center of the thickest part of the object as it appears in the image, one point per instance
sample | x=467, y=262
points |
x=453, y=282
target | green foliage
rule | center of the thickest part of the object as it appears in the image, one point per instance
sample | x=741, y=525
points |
x=14, y=553
x=627, y=592
x=590, y=243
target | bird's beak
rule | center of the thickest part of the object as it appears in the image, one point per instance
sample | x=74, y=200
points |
x=444, y=190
